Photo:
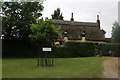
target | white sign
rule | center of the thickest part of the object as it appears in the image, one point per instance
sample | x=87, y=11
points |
x=46, y=49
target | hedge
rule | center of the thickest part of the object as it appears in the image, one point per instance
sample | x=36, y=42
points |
x=69, y=49
x=18, y=48
x=75, y=49
x=27, y=49
x=114, y=47
x=81, y=49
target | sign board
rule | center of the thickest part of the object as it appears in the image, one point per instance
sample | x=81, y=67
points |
x=46, y=49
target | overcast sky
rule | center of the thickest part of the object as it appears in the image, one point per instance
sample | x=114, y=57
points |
x=85, y=11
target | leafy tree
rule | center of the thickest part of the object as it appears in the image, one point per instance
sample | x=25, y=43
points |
x=116, y=33
x=44, y=31
x=18, y=17
x=57, y=14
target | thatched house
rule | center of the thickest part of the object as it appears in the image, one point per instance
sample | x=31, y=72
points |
x=74, y=30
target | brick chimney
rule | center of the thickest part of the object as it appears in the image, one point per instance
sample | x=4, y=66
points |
x=72, y=19
x=98, y=21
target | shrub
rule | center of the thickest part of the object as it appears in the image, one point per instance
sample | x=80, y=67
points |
x=82, y=49
x=28, y=49
x=18, y=48
x=75, y=49
x=114, y=47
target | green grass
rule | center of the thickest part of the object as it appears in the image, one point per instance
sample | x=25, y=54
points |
x=88, y=67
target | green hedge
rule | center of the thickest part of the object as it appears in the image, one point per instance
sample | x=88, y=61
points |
x=114, y=47
x=18, y=48
x=69, y=49
x=28, y=49
x=75, y=49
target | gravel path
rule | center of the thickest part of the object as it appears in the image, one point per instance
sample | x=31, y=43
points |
x=111, y=67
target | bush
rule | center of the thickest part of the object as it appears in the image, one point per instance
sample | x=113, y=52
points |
x=18, y=48
x=81, y=49
x=28, y=49
x=60, y=52
x=114, y=47
x=75, y=49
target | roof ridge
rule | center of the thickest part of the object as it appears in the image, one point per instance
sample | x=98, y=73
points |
x=74, y=21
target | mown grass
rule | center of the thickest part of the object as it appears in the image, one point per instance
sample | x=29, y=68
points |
x=87, y=67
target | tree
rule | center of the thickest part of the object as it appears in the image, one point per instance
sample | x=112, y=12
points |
x=116, y=33
x=18, y=17
x=44, y=31
x=57, y=14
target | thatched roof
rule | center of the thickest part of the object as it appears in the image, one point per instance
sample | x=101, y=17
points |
x=76, y=28
x=65, y=22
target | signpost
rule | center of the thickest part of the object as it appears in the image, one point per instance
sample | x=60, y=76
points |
x=46, y=57
x=46, y=49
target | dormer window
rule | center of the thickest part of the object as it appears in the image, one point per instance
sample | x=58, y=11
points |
x=83, y=34
x=65, y=33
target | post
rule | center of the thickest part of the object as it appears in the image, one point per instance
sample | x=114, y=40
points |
x=46, y=57
x=42, y=60
x=52, y=61
x=38, y=62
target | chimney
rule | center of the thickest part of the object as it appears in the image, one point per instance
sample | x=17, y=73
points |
x=72, y=19
x=98, y=21
x=97, y=17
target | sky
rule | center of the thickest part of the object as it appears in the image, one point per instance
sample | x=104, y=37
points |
x=85, y=11
x=119, y=13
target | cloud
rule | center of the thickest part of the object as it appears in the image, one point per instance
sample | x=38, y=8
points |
x=85, y=10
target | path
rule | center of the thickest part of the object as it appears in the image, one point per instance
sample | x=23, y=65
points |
x=111, y=67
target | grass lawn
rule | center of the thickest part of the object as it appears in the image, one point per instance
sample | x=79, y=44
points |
x=88, y=67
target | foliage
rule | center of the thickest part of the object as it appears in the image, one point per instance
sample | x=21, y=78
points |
x=75, y=49
x=116, y=33
x=114, y=47
x=18, y=17
x=57, y=14
x=18, y=48
x=44, y=31
x=81, y=49
x=28, y=49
